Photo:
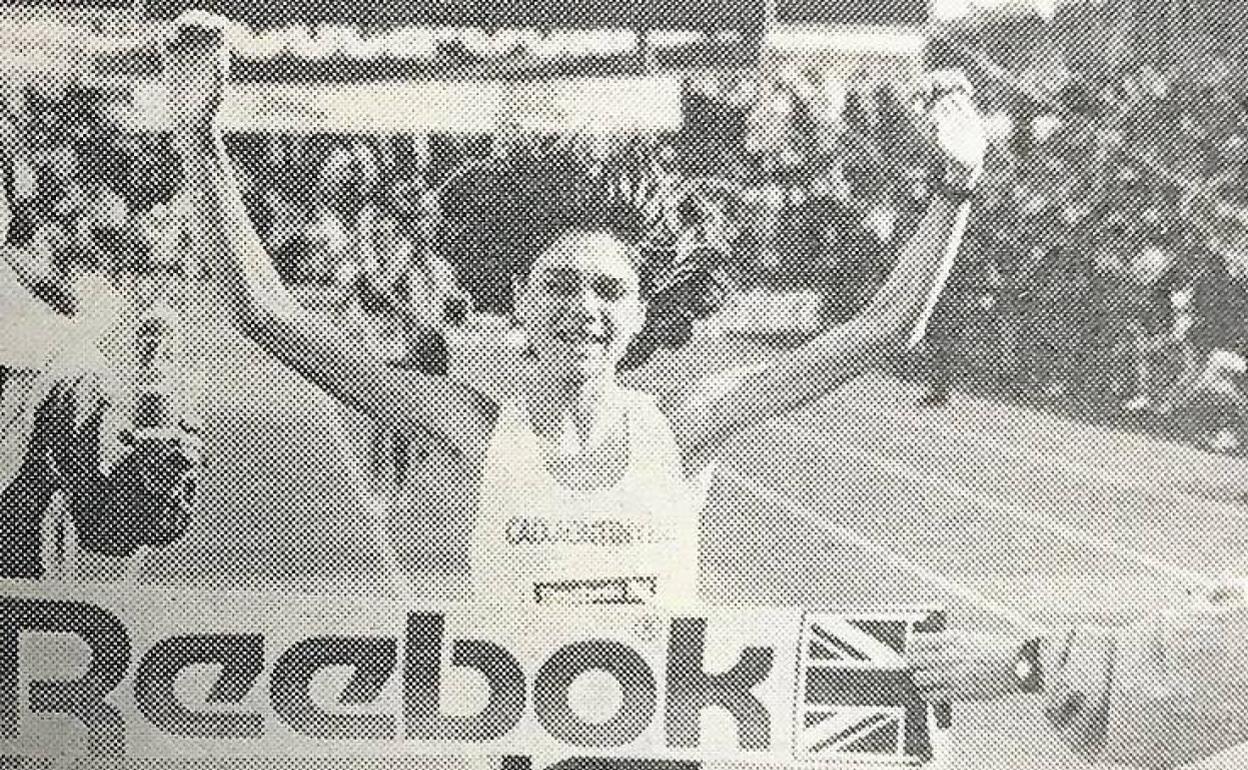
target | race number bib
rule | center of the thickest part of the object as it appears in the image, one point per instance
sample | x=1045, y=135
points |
x=625, y=590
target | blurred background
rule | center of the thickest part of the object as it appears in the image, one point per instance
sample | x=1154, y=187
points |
x=1104, y=263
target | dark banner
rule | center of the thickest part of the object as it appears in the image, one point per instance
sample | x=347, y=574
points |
x=75, y=5
x=489, y=14
x=884, y=12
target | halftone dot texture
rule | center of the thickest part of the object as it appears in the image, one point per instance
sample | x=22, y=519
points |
x=1080, y=461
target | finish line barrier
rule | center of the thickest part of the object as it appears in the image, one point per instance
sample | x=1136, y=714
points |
x=153, y=673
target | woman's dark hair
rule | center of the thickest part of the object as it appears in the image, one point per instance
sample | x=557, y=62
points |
x=497, y=218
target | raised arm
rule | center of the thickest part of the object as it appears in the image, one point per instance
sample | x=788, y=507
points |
x=894, y=319
x=197, y=74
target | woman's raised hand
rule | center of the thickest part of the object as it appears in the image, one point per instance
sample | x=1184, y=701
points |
x=196, y=69
x=949, y=118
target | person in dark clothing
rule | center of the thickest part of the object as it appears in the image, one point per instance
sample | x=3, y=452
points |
x=121, y=478
x=938, y=349
x=972, y=289
x=145, y=497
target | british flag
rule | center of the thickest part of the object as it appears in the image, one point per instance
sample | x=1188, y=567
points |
x=855, y=700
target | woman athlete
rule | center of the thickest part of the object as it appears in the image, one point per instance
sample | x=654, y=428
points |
x=579, y=489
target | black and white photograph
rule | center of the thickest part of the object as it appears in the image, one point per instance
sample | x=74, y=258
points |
x=623, y=384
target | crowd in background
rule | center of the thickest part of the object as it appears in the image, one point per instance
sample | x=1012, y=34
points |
x=86, y=200
x=1103, y=268
x=1112, y=228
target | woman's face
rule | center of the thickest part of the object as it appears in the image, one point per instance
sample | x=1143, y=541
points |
x=581, y=306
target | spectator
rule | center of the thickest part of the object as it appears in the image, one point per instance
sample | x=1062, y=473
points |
x=122, y=482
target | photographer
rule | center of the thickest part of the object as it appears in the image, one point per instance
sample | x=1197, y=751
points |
x=94, y=463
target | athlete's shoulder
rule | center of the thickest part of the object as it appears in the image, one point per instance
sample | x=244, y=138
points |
x=653, y=426
x=642, y=401
x=484, y=363
x=702, y=393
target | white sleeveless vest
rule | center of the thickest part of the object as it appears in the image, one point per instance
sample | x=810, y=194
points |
x=633, y=543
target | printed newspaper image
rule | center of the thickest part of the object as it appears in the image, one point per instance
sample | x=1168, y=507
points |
x=626, y=385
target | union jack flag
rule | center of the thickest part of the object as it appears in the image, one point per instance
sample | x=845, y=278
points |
x=855, y=699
